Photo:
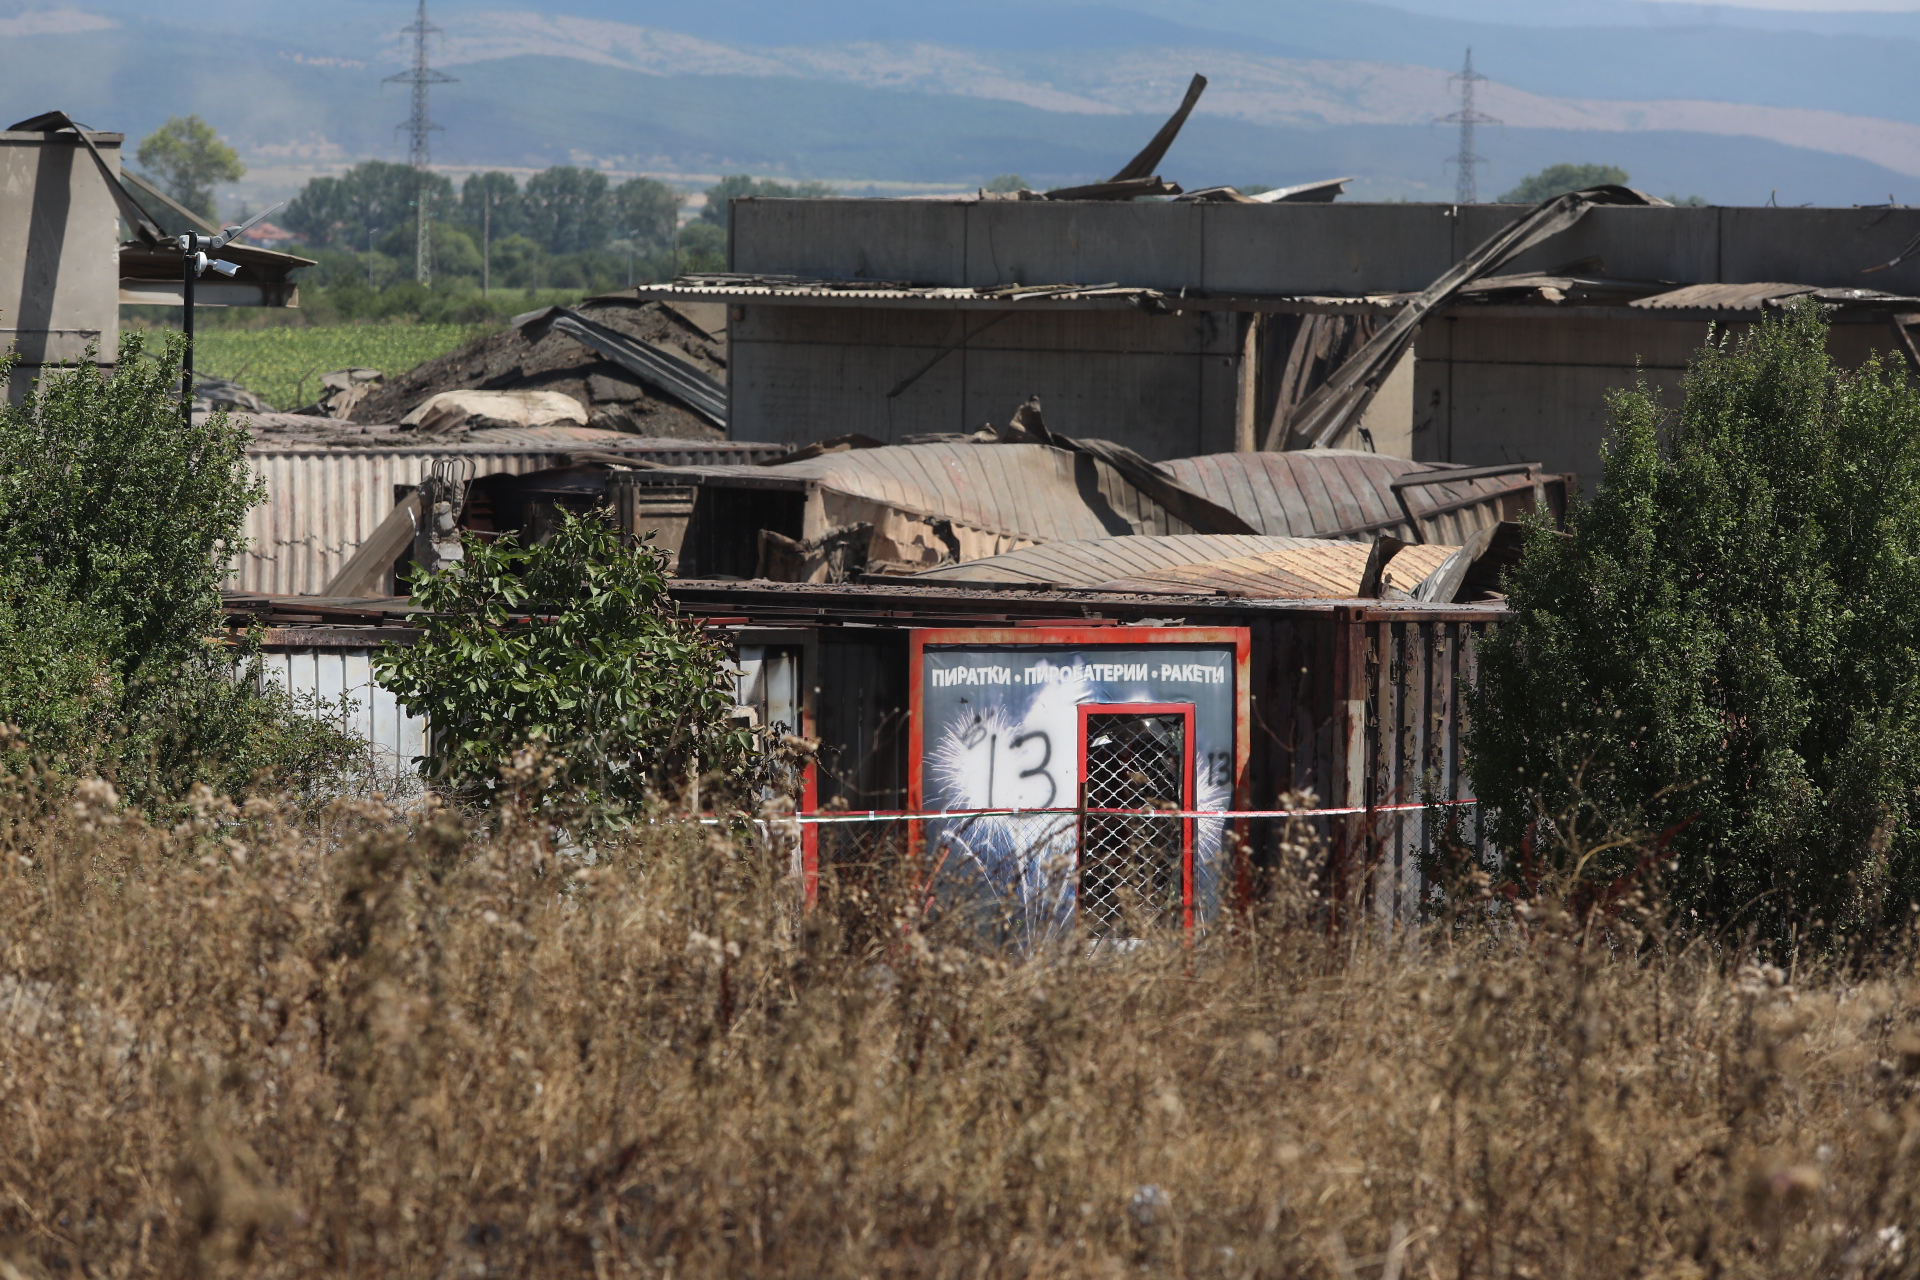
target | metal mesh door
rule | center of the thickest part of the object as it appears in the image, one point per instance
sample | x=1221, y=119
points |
x=1132, y=865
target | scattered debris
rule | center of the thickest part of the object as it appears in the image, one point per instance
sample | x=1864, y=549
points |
x=564, y=350
x=341, y=390
x=454, y=411
x=850, y=508
x=210, y=394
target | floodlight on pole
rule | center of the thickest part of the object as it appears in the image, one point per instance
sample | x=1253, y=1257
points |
x=197, y=256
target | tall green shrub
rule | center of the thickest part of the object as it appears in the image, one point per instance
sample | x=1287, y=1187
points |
x=571, y=643
x=116, y=521
x=1728, y=636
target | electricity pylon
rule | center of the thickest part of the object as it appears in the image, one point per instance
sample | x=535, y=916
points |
x=1465, y=189
x=418, y=127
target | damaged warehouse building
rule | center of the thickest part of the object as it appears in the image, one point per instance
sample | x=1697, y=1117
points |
x=1180, y=328
x=1070, y=504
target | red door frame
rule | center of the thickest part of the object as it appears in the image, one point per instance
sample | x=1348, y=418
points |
x=920, y=639
x=1184, y=710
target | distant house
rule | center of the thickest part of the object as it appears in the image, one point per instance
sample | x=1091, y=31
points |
x=267, y=235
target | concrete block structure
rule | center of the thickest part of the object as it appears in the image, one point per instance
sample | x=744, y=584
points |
x=59, y=251
x=1136, y=322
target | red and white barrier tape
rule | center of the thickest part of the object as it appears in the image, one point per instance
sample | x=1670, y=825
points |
x=949, y=815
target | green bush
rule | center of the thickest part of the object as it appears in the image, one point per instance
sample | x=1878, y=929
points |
x=572, y=644
x=116, y=520
x=1728, y=636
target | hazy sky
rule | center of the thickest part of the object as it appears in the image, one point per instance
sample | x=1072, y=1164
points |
x=1823, y=6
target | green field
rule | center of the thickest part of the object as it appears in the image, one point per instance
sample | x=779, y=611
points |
x=283, y=365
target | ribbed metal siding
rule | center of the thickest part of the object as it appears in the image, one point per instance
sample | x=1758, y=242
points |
x=322, y=503
x=330, y=674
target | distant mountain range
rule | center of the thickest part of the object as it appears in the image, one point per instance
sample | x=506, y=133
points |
x=1738, y=106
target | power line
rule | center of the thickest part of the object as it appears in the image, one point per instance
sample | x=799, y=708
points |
x=418, y=126
x=1465, y=190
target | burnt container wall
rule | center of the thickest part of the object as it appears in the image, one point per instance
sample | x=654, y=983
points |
x=1417, y=675
x=861, y=697
x=1362, y=711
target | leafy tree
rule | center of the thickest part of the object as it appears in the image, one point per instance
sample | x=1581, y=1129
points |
x=493, y=200
x=116, y=519
x=374, y=195
x=648, y=212
x=1558, y=179
x=454, y=252
x=491, y=204
x=1686, y=202
x=186, y=159
x=519, y=263
x=703, y=247
x=741, y=184
x=1006, y=182
x=1728, y=636
x=574, y=643
x=569, y=209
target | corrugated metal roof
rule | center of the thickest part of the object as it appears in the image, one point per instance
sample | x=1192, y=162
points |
x=765, y=288
x=1299, y=494
x=1322, y=492
x=1720, y=297
x=1310, y=571
x=322, y=503
x=1023, y=490
x=1082, y=563
x=1255, y=566
x=1759, y=295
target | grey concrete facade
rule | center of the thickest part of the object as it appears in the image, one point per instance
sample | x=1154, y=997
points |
x=1489, y=384
x=59, y=252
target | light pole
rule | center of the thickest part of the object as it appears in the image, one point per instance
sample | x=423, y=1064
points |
x=194, y=260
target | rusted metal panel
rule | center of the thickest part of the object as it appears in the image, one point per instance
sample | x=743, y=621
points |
x=1316, y=570
x=1084, y=563
x=1344, y=493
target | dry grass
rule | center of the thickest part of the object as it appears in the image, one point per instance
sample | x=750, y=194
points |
x=365, y=1047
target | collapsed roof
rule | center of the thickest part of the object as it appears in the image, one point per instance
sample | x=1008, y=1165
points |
x=853, y=507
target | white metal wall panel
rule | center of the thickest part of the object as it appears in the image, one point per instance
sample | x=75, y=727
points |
x=333, y=674
x=322, y=503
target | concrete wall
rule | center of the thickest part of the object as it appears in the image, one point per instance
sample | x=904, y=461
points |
x=1165, y=385
x=59, y=252
x=1483, y=390
x=1304, y=248
x=1498, y=389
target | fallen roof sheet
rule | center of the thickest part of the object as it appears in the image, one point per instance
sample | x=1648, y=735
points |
x=1022, y=490
x=1758, y=296
x=1344, y=492
x=1317, y=570
x=1344, y=396
x=656, y=367
x=1083, y=562
x=1252, y=566
x=1303, y=494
